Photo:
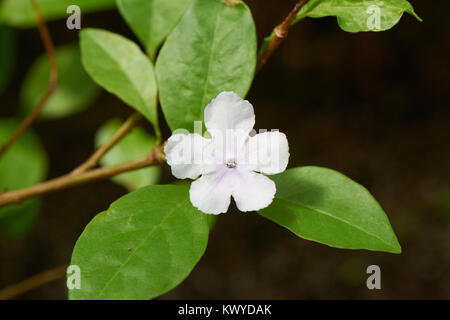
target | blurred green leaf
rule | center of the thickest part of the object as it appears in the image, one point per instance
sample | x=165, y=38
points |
x=22, y=165
x=152, y=20
x=7, y=55
x=75, y=90
x=144, y=245
x=17, y=220
x=358, y=15
x=352, y=272
x=212, y=49
x=119, y=66
x=441, y=202
x=19, y=13
x=135, y=145
x=325, y=206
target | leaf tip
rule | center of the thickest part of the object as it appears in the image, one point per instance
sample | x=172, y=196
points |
x=396, y=248
x=414, y=14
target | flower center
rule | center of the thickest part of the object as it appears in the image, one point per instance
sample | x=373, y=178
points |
x=231, y=164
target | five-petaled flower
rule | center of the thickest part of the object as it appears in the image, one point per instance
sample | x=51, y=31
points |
x=231, y=162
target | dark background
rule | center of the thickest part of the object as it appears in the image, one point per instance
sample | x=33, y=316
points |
x=374, y=106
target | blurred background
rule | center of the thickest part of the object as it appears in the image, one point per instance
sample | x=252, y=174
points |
x=374, y=106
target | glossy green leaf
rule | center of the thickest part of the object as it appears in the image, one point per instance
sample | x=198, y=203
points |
x=212, y=49
x=22, y=165
x=119, y=66
x=75, y=90
x=325, y=206
x=19, y=13
x=7, y=55
x=152, y=20
x=144, y=245
x=359, y=15
x=135, y=145
x=354, y=15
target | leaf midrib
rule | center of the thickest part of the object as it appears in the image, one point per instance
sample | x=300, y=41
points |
x=305, y=14
x=213, y=45
x=138, y=246
x=336, y=218
x=121, y=68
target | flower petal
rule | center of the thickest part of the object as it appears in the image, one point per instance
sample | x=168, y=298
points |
x=253, y=191
x=229, y=111
x=211, y=193
x=266, y=152
x=185, y=153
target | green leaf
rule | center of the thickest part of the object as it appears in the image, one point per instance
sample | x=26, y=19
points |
x=134, y=145
x=152, y=20
x=212, y=49
x=358, y=15
x=75, y=90
x=19, y=13
x=17, y=220
x=144, y=245
x=354, y=15
x=325, y=206
x=22, y=165
x=119, y=66
x=7, y=55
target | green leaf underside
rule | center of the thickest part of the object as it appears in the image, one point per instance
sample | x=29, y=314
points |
x=325, y=206
x=19, y=13
x=119, y=66
x=7, y=55
x=22, y=165
x=152, y=20
x=136, y=144
x=212, y=49
x=75, y=90
x=353, y=15
x=144, y=245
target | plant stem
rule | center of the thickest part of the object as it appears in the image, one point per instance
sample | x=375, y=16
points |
x=32, y=283
x=155, y=157
x=83, y=174
x=281, y=32
x=93, y=160
x=49, y=48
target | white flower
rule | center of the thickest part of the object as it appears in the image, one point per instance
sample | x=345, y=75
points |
x=231, y=162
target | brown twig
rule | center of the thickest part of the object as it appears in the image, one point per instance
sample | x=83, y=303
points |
x=84, y=174
x=156, y=157
x=49, y=48
x=32, y=283
x=281, y=32
x=93, y=160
